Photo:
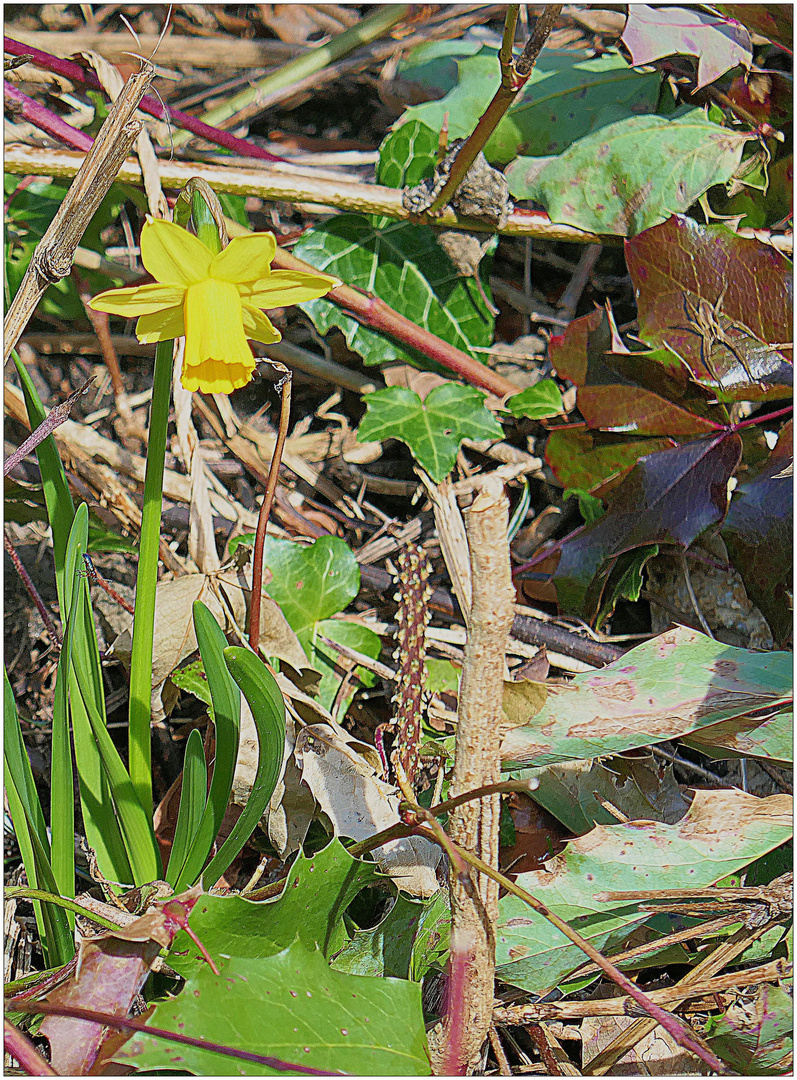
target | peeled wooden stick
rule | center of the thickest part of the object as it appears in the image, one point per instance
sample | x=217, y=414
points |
x=474, y=825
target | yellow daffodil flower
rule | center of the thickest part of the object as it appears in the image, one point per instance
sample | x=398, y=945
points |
x=215, y=301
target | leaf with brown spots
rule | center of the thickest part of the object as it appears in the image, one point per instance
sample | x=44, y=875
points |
x=631, y=175
x=722, y=832
x=678, y=683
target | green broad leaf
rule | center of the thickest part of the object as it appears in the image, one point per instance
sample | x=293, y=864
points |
x=404, y=265
x=317, y=892
x=589, y=506
x=755, y=1038
x=542, y=400
x=722, y=831
x=633, y=174
x=406, y=943
x=433, y=428
x=679, y=683
x=325, y=658
x=567, y=97
x=291, y=1006
x=311, y=584
x=407, y=155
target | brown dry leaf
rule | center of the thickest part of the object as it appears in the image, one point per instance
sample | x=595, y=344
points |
x=111, y=970
x=359, y=804
x=175, y=639
x=656, y=1054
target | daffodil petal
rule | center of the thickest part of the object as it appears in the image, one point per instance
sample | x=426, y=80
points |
x=284, y=287
x=217, y=357
x=258, y=327
x=161, y=325
x=246, y=258
x=142, y=300
x=172, y=255
x=217, y=377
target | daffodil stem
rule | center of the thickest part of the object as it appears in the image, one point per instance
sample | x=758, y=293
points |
x=265, y=511
x=147, y=579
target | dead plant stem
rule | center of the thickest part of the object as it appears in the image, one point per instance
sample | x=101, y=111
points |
x=265, y=511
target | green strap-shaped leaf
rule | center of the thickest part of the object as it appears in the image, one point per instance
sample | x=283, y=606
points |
x=226, y=699
x=192, y=803
x=268, y=709
x=23, y=801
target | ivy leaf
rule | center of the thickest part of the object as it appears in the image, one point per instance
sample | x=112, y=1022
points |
x=311, y=584
x=404, y=265
x=433, y=429
x=685, y=274
x=537, y=402
x=631, y=175
x=407, y=155
x=589, y=461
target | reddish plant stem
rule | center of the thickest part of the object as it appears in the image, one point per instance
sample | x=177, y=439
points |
x=681, y=1032
x=32, y=591
x=376, y=314
x=265, y=511
x=20, y=1047
x=75, y=73
x=762, y=419
x=45, y=120
x=128, y=1024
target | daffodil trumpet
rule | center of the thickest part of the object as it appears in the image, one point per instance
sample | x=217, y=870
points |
x=215, y=301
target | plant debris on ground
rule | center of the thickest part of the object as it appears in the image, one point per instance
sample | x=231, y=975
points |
x=452, y=733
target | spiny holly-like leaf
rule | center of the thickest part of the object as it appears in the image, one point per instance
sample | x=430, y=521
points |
x=567, y=97
x=679, y=682
x=687, y=277
x=537, y=402
x=719, y=43
x=633, y=174
x=434, y=428
x=404, y=265
x=759, y=535
x=292, y=1006
x=668, y=498
x=721, y=833
x=407, y=155
x=755, y=1038
x=586, y=460
x=310, y=584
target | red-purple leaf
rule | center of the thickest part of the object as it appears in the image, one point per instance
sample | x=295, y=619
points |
x=668, y=498
x=773, y=21
x=587, y=460
x=634, y=411
x=759, y=534
x=719, y=301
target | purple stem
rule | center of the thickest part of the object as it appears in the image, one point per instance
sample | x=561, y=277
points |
x=44, y=119
x=32, y=591
x=74, y=72
x=20, y=1047
x=762, y=419
x=128, y=1024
